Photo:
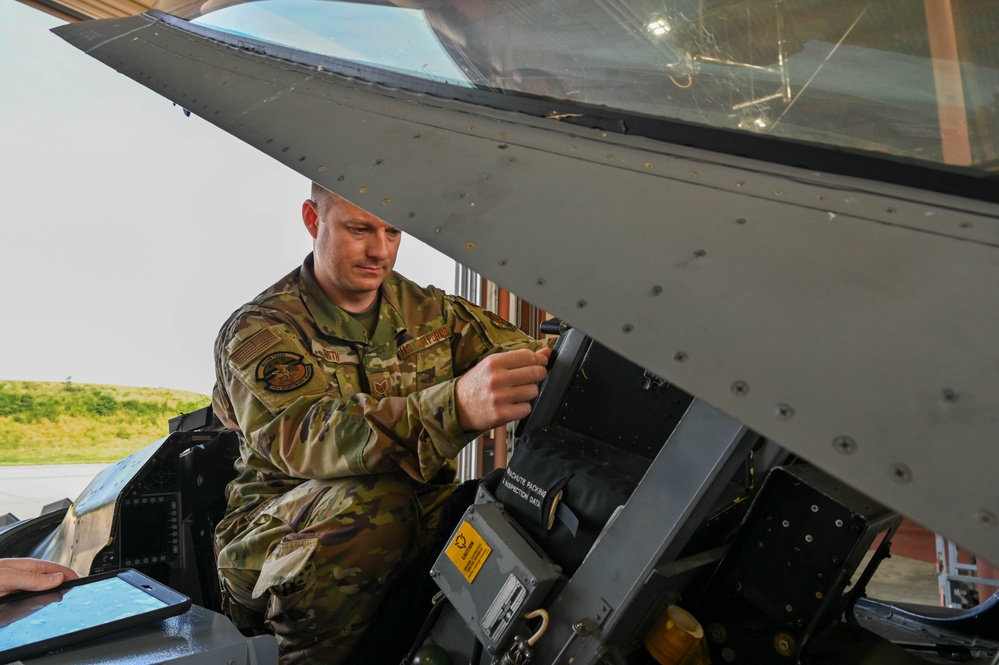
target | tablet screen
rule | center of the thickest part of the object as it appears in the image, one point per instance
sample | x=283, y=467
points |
x=44, y=616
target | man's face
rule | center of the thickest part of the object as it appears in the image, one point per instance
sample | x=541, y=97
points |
x=354, y=251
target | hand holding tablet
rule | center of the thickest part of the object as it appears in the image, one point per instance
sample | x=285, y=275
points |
x=35, y=623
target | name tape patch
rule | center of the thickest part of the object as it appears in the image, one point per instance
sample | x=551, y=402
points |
x=431, y=338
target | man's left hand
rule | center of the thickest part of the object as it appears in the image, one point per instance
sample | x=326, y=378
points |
x=32, y=575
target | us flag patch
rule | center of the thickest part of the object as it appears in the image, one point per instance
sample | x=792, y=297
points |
x=252, y=347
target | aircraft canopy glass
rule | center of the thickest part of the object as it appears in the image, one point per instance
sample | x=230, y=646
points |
x=916, y=79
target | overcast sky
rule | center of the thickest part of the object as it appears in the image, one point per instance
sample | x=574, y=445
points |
x=129, y=231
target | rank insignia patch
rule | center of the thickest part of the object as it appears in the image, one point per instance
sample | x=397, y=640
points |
x=500, y=322
x=283, y=371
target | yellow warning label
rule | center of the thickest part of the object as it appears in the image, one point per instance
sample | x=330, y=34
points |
x=468, y=551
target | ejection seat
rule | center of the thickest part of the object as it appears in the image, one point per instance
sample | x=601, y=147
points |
x=597, y=429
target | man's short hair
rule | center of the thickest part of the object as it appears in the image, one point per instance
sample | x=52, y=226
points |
x=323, y=197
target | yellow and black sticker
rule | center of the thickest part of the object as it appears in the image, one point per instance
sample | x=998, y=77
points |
x=469, y=551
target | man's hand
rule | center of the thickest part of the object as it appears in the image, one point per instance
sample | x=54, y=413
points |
x=32, y=575
x=498, y=389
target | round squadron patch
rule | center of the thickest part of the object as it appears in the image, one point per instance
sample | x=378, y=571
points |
x=283, y=371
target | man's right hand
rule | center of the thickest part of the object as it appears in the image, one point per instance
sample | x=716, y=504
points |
x=499, y=389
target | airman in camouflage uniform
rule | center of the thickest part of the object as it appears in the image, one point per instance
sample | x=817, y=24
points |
x=347, y=431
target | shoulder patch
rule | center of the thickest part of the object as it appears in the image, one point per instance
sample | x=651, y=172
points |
x=283, y=371
x=422, y=342
x=275, y=368
x=252, y=347
x=499, y=321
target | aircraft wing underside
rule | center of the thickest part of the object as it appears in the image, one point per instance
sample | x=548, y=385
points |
x=851, y=321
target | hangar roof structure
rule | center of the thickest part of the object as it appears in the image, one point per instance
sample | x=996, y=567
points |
x=78, y=10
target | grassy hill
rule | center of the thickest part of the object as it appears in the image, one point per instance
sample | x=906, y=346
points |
x=68, y=423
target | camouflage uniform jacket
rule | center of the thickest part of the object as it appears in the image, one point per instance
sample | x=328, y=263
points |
x=313, y=398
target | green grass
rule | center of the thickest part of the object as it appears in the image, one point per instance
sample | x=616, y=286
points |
x=68, y=423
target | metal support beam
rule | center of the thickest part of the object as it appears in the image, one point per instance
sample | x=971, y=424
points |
x=679, y=489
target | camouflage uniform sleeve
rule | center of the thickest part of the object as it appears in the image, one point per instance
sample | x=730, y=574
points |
x=307, y=429
x=477, y=334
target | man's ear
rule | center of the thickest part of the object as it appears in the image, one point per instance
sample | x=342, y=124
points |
x=310, y=216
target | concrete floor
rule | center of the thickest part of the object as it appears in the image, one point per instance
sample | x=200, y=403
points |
x=25, y=490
